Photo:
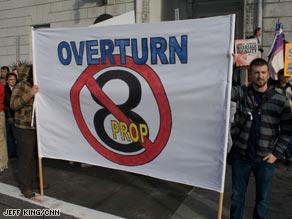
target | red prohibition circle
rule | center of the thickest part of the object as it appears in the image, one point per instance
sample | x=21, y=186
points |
x=152, y=149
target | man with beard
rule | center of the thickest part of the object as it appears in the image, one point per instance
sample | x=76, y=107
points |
x=261, y=134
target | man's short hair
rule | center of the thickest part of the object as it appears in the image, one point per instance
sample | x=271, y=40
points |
x=258, y=62
x=281, y=72
x=102, y=17
x=256, y=30
x=5, y=67
x=11, y=74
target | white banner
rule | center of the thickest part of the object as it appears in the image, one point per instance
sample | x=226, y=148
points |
x=146, y=98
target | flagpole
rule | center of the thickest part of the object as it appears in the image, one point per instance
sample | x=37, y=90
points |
x=220, y=205
x=276, y=56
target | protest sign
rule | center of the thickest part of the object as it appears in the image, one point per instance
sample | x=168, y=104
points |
x=288, y=60
x=146, y=98
x=246, y=50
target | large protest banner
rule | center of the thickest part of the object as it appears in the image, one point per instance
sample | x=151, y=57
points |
x=146, y=98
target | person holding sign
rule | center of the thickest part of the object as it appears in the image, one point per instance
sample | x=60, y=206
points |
x=261, y=112
x=257, y=34
x=22, y=99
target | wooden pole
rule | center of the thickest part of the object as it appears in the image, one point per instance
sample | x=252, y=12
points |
x=220, y=205
x=41, y=176
x=39, y=158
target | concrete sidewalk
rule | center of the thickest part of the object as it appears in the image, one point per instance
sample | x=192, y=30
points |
x=97, y=192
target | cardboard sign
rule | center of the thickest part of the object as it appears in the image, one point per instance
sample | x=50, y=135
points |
x=246, y=50
x=288, y=60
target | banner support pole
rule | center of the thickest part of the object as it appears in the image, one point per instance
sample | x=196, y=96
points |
x=246, y=80
x=220, y=205
x=40, y=165
x=41, y=176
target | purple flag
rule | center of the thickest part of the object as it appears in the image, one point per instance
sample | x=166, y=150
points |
x=276, y=54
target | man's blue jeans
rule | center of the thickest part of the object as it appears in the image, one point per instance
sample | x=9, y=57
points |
x=263, y=172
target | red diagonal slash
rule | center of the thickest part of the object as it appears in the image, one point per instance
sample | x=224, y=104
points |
x=152, y=149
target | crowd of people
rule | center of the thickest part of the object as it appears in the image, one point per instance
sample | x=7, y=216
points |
x=6, y=140
x=262, y=131
x=18, y=133
x=17, y=130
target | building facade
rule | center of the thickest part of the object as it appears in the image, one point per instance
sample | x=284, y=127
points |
x=17, y=17
x=250, y=14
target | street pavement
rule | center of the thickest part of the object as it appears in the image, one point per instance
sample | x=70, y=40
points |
x=97, y=192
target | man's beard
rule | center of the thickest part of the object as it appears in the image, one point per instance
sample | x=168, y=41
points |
x=260, y=83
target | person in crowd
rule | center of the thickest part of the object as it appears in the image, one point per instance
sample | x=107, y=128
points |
x=262, y=128
x=9, y=115
x=286, y=88
x=3, y=147
x=284, y=85
x=15, y=72
x=4, y=72
x=257, y=34
x=22, y=99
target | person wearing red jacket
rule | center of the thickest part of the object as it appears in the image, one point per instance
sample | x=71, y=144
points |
x=3, y=146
